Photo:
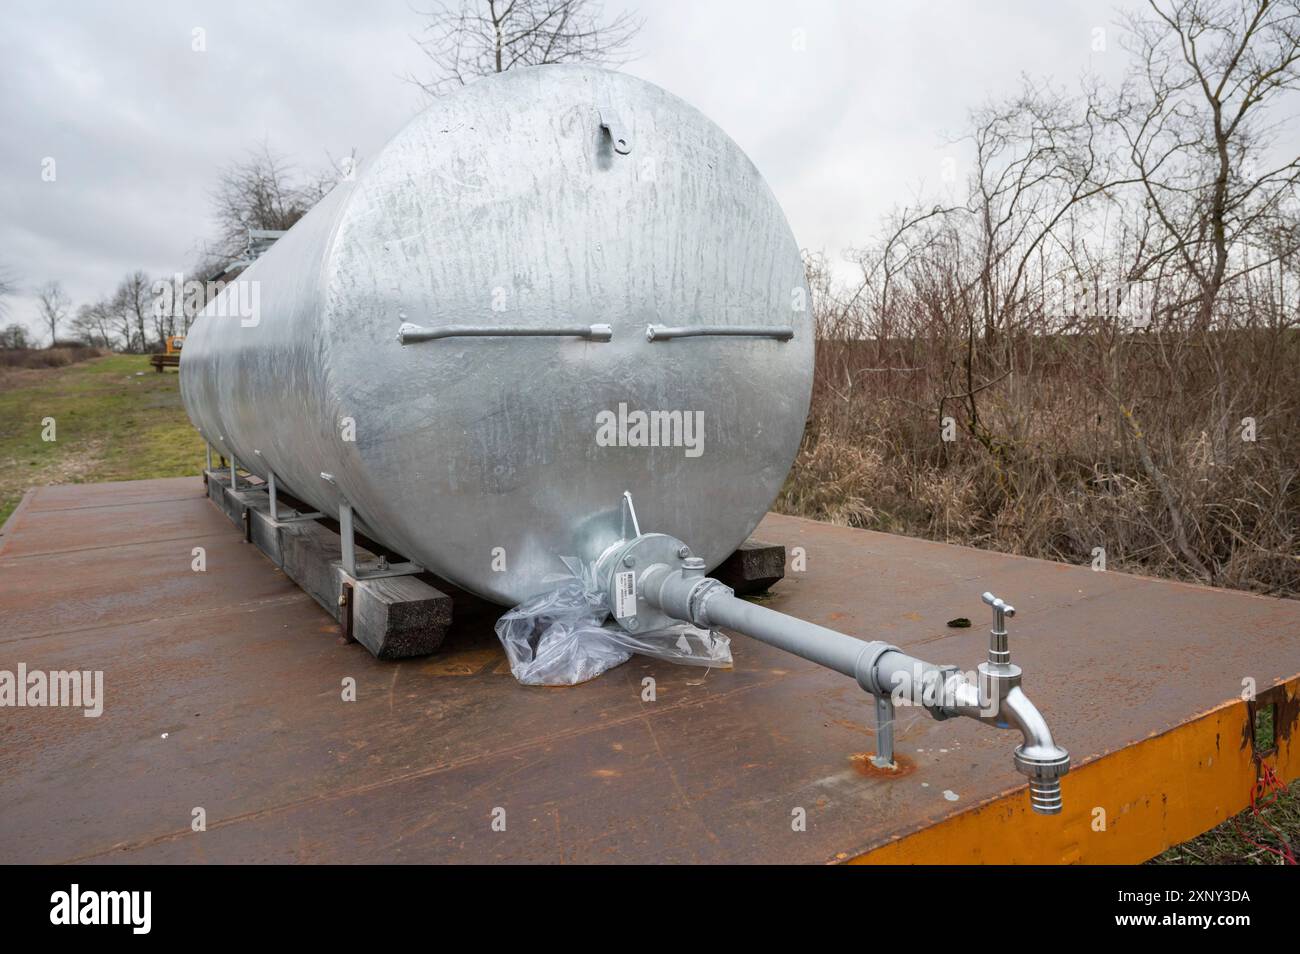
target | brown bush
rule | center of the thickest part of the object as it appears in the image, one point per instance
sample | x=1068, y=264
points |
x=57, y=357
x=1051, y=469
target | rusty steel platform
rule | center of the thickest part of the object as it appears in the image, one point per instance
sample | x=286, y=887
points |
x=223, y=692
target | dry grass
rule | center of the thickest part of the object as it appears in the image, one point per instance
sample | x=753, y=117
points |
x=1046, y=463
x=56, y=357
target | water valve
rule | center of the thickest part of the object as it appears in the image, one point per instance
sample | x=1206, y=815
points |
x=999, y=650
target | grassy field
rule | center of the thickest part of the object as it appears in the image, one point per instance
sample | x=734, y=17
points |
x=118, y=419
x=115, y=418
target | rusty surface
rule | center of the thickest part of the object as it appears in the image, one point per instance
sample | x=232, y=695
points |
x=224, y=692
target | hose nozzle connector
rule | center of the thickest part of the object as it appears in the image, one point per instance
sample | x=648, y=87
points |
x=1045, y=797
x=1044, y=766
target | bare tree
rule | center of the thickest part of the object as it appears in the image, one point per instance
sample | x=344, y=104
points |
x=467, y=39
x=53, y=305
x=94, y=323
x=264, y=191
x=256, y=192
x=1196, y=114
x=131, y=304
x=1117, y=282
x=123, y=323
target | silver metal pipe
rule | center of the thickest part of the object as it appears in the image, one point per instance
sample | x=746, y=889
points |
x=689, y=595
x=666, y=332
x=414, y=334
x=894, y=677
x=884, y=757
x=845, y=654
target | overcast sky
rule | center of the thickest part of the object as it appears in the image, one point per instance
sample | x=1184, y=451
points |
x=139, y=123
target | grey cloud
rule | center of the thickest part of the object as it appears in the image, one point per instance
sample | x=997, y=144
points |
x=140, y=124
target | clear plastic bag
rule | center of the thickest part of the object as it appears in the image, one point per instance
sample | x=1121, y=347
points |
x=560, y=637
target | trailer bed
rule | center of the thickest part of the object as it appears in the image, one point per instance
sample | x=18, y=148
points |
x=223, y=692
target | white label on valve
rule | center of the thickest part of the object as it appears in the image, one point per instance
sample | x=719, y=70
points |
x=625, y=594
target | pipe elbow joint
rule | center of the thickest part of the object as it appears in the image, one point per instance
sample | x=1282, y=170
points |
x=1037, y=757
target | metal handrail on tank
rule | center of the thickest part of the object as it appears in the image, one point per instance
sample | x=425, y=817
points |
x=666, y=332
x=413, y=334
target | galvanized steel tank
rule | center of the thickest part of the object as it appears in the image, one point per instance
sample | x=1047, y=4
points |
x=539, y=199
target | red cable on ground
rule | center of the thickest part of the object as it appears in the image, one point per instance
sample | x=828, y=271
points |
x=1263, y=793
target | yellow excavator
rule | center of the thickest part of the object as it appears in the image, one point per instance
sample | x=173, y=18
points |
x=171, y=358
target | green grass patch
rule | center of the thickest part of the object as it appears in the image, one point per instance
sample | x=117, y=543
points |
x=115, y=418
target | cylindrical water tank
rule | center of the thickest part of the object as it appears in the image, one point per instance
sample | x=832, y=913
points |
x=548, y=201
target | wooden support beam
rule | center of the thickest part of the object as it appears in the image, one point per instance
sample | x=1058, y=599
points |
x=753, y=568
x=393, y=617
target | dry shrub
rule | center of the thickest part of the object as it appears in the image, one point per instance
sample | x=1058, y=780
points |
x=57, y=357
x=828, y=479
x=1052, y=469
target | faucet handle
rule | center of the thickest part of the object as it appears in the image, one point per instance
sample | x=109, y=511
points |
x=999, y=649
x=1000, y=607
